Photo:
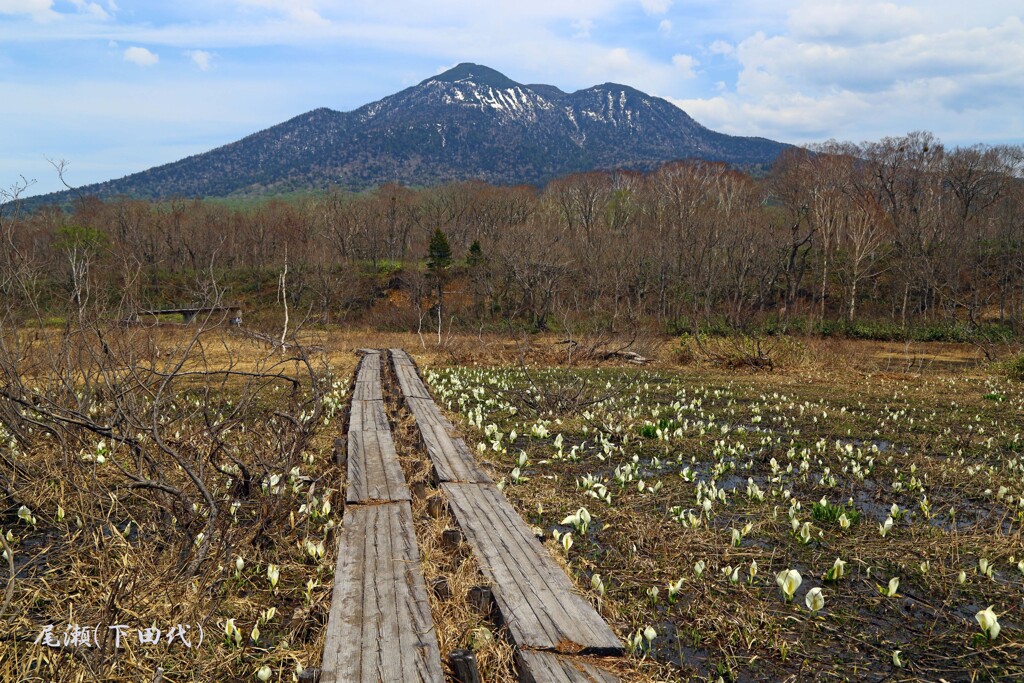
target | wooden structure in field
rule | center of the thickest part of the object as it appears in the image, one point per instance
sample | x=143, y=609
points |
x=379, y=629
x=549, y=622
x=188, y=315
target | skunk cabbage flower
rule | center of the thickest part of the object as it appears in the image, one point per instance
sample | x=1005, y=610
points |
x=814, y=599
x=989, y=622
x=232, y=633
x=890, y=590
x=789, y=580
x=883, y=529
x=673, y=589
x=25, y=515
x=837, y=571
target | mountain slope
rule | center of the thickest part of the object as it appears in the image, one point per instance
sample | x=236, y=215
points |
x=468, y=122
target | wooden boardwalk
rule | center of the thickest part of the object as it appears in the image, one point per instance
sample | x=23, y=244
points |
x=536, y=598
x=549, y=667
x=544, y=615
x=374, y=474
x=379, y=629
x=452, y=459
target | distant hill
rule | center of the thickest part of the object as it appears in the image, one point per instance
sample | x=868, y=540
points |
x=470, y=122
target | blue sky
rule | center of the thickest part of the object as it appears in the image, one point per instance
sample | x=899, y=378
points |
x=117, y=86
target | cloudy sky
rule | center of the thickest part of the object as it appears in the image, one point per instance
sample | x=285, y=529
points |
x=117, y=86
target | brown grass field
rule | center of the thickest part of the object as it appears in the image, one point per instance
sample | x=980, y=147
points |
x=154, y=459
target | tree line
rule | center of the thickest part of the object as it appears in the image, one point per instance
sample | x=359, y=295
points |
x=902, y=233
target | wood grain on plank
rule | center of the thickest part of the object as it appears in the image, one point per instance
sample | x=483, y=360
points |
x=425, y=410
x=410, y=382
x=369, y=363
x=408, y=377
x=453, y=460
x=401, y=357
x=367, y=391
x=368, y=415
x=368, y=379
x=550, y=667
x=379, y=629
x=374, y=473
x=537, y=601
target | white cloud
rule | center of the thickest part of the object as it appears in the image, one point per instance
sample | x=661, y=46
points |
x=685, y=64
x=90, y=8
x=854, y=22
x=617, y=60
x=665, y=27
x=581, y=28
x=957, y=82
x=298, y=11
x=786, y=64
x=140, y=56
x=39, y=10
x=656, y=6
x=201, y=58
x=720, y=47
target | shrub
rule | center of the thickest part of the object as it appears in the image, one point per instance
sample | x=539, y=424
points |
x=1015, y=368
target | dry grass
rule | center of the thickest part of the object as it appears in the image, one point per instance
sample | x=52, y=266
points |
x=103, y=553
x=90, y=568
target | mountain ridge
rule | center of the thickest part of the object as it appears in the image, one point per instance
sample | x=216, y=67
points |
x=469, y=122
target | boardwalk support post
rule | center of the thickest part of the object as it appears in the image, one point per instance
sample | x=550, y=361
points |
x=452, y=538
x=464, y=668
x=435, y=507
x=482, y=600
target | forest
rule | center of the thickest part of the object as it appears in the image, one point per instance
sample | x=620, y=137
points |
x=899, y=238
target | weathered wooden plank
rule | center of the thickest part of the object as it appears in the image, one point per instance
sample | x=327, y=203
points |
x=356, y=414
x=408, y=377
x=401, y=357
x=550, y=667
x=452, y=459
x=368, y=416
x=367, y=391
x=536, y=598
x=374, y=473
x=368, y=379
x=424, y=409
x=370, y=364
x=379, y=629
x=410, y=382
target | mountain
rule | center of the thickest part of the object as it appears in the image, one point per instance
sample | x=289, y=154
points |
x=468, y=122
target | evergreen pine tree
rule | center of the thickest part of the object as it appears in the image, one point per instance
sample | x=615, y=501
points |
x=439, y=255
x=476, y=254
